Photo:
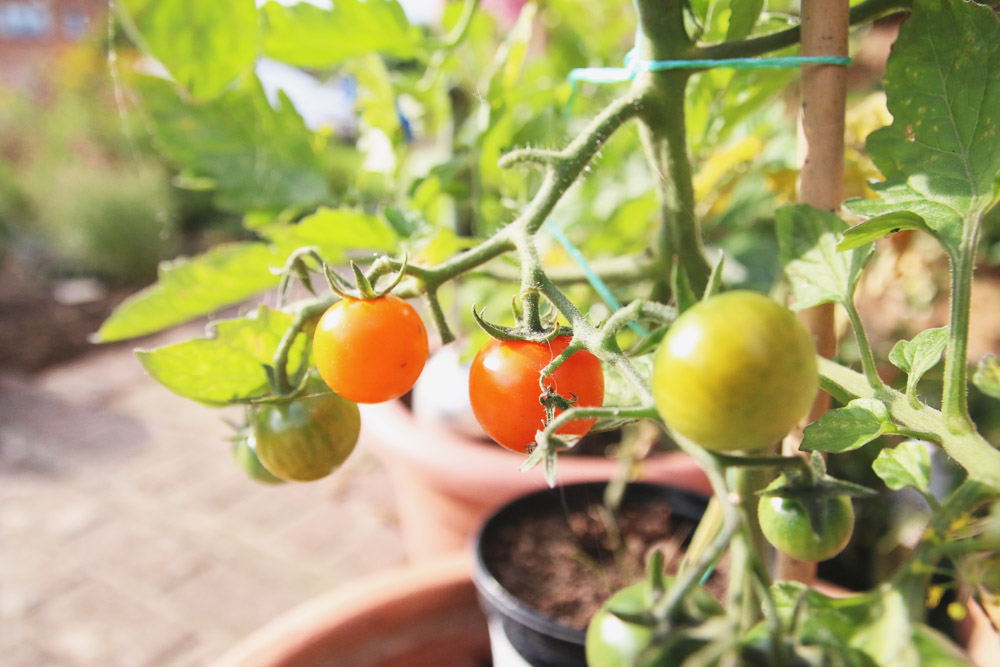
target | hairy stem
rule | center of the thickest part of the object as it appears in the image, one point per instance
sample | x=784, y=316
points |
x=955, y=404
x=980, y=459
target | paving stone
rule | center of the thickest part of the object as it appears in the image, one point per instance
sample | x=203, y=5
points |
x=231, y=602
x=98, y=624
x=132, y=554
x=129, y=537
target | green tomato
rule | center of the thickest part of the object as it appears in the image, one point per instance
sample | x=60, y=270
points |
x=612, y=642
x=786, y=525
x=737, y=371
x=246, y=457
x=305, y=439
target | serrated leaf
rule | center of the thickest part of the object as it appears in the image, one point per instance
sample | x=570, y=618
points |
x=227, y=366
x=309, y=36
x=228, y=274
x=204, y=45
x=987, y=376
x=848, y=428
x=918, y=356
x=258, y=157
x=906, y=465
x=817, y=272
x=941, y=153
x=879, y=226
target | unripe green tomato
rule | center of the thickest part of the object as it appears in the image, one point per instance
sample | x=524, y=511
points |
x=737, y=371
x=246, y=457
x=786, y=525
x=305, y=439
x=612, y=642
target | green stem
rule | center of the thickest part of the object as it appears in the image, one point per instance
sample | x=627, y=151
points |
x=979, y=458
x=664, y=137
x=913, y=579
x=611, y=271
x=572, y=160
x=279, y=361
x=954, y=404
x=737, y=461
x=864, y=349
x=634, y=311
x=690, y=576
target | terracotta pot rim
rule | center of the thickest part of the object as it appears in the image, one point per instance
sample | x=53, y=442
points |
x=468, y=467
x=292, y=636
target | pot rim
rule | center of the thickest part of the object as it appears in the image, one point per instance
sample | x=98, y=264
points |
x=468, y=468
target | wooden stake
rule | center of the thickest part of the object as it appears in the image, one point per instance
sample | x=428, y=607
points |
x=825, y=26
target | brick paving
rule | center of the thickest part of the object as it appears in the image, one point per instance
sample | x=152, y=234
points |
x=129, y=537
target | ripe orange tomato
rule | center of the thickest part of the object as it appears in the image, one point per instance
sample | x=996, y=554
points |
x=370, y=350
x=504, y=389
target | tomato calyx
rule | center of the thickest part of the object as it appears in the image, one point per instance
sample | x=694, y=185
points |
x=519, y=332
x=363, y=287
x=814, y=488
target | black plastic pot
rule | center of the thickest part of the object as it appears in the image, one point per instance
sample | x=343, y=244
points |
x=540, y=641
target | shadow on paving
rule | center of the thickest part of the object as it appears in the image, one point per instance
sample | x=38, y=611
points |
x=44, y=435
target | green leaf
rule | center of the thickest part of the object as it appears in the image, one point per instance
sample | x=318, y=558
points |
x=227, y=366
x=987, y=376
x=743, y=18
x=305, y=35
x=918, y=356
x=935, y=649
x=258, y=157
x=204, y=45
x=877, y=624
x=816, y=271
x=848, y=428
x=880, y=226
x=906, y=465
x=376, y=98
x=510, y=57
x=941, y=153
x=228, y=274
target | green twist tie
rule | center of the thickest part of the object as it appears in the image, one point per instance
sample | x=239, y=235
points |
x=633, y=66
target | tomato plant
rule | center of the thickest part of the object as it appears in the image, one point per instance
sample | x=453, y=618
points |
x=423, y=173
x=614, y=642
x=504, y=389
x=786, y=524
x=306, y=438
x=736, y=371
x=370, y=350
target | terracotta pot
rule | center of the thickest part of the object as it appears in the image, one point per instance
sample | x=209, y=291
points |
x=446, y=483
x=422, y=615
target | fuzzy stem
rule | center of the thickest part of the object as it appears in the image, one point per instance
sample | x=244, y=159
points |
x=955, y=404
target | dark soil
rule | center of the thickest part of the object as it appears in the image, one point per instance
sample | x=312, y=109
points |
x=566, y=565
x=37, y=330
